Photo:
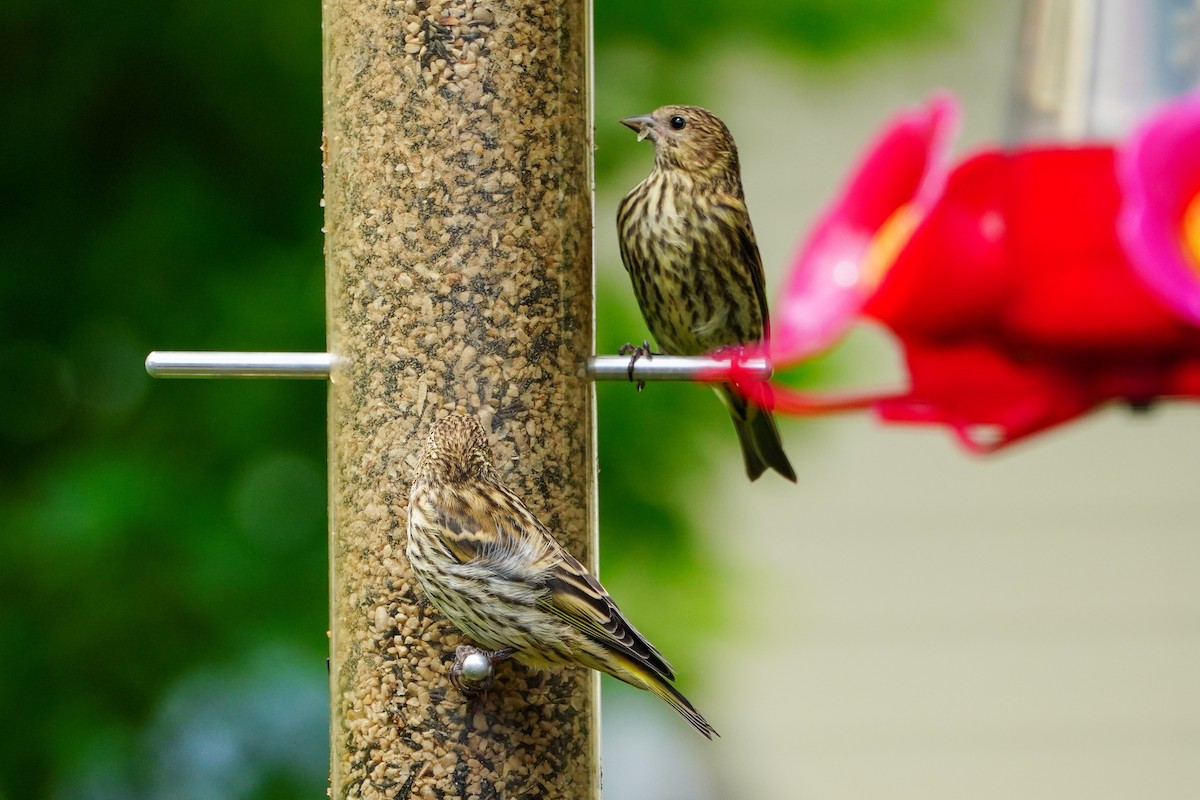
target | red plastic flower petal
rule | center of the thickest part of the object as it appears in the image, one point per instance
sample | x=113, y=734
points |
x=1016, y=304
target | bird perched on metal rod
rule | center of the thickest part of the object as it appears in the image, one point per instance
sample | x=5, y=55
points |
x=687, y=243
x=502, y=578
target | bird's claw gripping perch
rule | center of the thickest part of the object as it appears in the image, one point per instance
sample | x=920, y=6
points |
x=474, y=669
x=629, y=349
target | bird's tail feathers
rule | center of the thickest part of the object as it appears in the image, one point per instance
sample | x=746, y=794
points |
x=643, y=677
x=758, y=436
x=681, y=704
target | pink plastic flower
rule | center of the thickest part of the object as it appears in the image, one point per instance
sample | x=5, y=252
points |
x=1160, y=217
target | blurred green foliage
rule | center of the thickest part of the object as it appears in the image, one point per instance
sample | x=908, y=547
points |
x=162, y=544
x=799, y=28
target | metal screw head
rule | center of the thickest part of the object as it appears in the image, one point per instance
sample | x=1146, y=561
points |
x=476, y=668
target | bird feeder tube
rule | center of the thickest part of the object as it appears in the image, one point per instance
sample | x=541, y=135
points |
x=459, y=280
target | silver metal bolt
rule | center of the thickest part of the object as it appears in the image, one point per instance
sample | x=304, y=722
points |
x=476, y=668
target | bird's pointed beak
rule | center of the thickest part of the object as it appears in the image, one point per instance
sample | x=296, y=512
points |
x=644, y=126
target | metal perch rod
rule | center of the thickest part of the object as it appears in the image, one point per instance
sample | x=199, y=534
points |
x=218, y=364
x=670, y=368
x=212, y=364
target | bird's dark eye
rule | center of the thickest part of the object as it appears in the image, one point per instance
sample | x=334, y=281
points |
x=678, y=123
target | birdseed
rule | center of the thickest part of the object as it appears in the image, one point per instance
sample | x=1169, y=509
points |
x=458, y=221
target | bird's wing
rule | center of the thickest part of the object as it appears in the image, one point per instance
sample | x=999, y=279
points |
x=493, y=529
x=465, y=532
x=576, y=597
x=622, y=211
x=747, y=251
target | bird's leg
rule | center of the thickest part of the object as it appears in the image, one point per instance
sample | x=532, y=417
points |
x=629, y=349
x=733, y=352
x=736, y=355
x=474, y=671
x=500, y=656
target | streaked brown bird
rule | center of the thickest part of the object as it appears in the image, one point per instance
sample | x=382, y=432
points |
x=687, y=243
x=499, y=575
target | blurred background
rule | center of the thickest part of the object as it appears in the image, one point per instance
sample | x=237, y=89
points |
x=906, y=622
